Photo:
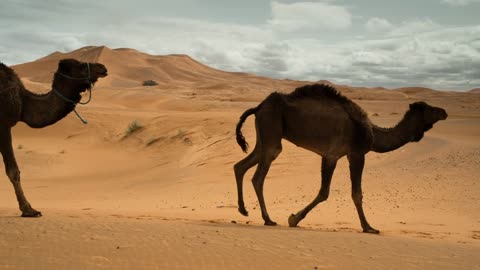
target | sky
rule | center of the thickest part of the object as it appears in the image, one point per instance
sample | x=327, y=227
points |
x=389, y=43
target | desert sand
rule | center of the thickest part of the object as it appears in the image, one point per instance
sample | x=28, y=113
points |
x=164, y=196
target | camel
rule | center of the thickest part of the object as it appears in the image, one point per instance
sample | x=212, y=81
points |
x=318, y=118
x=39, y=110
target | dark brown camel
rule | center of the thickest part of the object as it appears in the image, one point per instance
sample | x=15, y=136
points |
x=318, y=118
x=39, y=110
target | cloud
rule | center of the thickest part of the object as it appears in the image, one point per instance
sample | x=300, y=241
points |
x=270, y=59
x=309, y=15
x=217, y=44
x=414, y=27
x=224, y=46
x=415, y=52
x=442, y=58
x=378, y=25
x=460, y=2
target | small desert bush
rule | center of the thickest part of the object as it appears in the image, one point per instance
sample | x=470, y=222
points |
x=152, y=141
x=182, y=134
x=133, y=127
x=149, y=83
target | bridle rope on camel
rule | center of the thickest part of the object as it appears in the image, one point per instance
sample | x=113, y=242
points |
x=79, y=102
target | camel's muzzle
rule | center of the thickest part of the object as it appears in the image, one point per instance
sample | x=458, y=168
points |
x=101, y=71
x=443, y=115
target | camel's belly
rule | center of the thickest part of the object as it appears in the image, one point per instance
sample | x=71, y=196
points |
x=326, y=147
x=331, y=138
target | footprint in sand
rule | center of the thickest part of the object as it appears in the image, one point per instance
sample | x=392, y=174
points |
x=419, y=234
x=476, y=235
x=100, y=261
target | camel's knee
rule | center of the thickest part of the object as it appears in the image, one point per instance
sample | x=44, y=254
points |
x=13, y=175
x=237, y=169
x=241, y=167
x=258, y=182
x=262, y=170
x=323, y=195
x=357, y=197
x=271, y=151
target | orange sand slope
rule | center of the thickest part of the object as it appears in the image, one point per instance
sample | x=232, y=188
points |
x=164, y=196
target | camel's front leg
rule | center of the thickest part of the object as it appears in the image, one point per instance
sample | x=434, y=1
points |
x=328, y=166
x=357, y=162
x=13, y=173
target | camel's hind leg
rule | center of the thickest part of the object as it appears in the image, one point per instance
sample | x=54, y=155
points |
x=13, y=173
x=328, y=166
x=269, y=141
x=258, y=180
x=240, y=169
x=357, y=162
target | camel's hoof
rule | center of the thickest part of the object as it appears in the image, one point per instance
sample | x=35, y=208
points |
x=371, y=230
x=293, y=221
x=32, y=213
x=270, y=223
x=243, y=211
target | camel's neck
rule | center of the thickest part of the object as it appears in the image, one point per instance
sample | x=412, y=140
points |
x=40, y=110
x=389, y=139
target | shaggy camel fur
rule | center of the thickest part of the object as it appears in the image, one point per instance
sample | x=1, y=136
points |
x=318, y=118
x=39, y=110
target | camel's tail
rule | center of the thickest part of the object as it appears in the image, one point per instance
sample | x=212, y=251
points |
x=240, y=139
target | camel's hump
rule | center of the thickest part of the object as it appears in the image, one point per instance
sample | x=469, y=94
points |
x=318, y=91
x=323, y=91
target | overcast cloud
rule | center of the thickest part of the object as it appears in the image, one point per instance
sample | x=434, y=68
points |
x=432, y=43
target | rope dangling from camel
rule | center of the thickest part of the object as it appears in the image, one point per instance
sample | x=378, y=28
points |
x=80, y=117
x=75, y=103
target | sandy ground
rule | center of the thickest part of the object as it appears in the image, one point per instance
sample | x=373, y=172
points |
x=164, y=196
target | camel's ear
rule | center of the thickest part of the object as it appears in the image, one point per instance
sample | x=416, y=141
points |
x=64, y=66
x=418, y=105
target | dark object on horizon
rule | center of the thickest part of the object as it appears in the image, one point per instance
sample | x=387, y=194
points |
x=149, y=83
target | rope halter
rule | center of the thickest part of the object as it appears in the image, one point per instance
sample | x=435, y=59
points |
x=60, y=95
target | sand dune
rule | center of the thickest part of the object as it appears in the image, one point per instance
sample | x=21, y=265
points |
x=130, y=68
x=164, y=196
x=475, y=90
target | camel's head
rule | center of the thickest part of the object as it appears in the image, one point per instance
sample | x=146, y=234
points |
x=85, y=74
x=426, y=116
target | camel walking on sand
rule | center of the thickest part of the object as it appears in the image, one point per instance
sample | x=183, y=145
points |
x=39, y=110
x=318, y=118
